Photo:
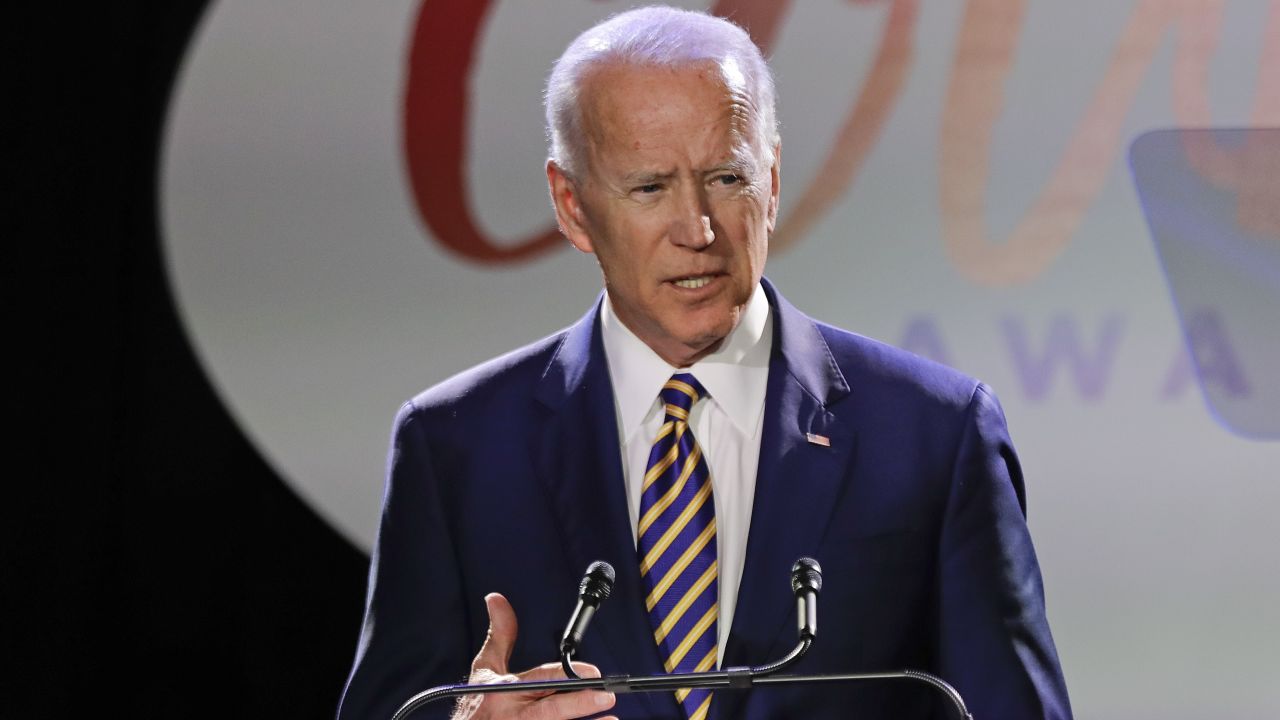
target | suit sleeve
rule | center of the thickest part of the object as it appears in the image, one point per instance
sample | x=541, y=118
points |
x=993, y=637
x=414, y=634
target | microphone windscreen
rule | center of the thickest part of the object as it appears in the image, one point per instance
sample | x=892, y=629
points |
x=806, y=574
x=598, y=582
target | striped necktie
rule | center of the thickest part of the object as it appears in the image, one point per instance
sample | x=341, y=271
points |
x=677, y=545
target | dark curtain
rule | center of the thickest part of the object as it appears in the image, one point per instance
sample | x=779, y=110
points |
x=155, y=566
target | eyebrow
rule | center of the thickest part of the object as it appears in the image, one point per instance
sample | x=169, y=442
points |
x=646, y=177
x=739, y=164
x=742, y=160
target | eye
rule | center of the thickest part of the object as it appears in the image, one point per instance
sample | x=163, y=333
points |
x=728, y=179
x=647, y=189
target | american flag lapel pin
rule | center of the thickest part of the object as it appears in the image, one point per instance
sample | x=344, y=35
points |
x=817, y=439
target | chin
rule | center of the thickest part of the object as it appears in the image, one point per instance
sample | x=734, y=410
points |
x=707, y=335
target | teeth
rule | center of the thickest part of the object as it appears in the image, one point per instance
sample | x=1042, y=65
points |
x=693, y=283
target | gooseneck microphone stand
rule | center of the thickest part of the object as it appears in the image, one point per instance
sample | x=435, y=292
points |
x=806, y=581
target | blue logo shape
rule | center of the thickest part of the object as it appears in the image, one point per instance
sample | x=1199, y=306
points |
x=1212, y=201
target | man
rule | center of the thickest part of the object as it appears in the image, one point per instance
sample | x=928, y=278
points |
x=700, y=434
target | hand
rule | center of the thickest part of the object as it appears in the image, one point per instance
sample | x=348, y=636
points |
x=490, y=666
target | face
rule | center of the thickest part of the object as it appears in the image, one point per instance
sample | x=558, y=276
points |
x=676, y=198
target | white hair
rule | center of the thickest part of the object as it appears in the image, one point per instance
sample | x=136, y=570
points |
x=663, y=37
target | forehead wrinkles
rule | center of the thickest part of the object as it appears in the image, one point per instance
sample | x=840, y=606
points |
x=626, y=107
x=746, y=116
x=735, y=82
x=744, y=124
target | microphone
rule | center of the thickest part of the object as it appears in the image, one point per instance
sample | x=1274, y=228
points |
x=594, y=588
x=806, y=583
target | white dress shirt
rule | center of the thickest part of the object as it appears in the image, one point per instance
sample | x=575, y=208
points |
x=726, y=424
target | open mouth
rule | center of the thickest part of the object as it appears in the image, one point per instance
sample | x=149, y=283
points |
x=692, y=283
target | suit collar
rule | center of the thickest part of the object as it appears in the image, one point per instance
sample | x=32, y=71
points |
x=804, y=355
x=569, y=365
x=799, y=350
x=734, y=374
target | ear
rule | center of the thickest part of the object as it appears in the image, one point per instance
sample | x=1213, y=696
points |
x=775, y=188
x=569, y=212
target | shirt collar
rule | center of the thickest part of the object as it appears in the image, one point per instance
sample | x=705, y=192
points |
x=735, y=375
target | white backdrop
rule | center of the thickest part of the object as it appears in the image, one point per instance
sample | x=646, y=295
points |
x=954, y=181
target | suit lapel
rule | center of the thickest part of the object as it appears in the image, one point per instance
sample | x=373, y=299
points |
x=579, y=461
x=797, y=485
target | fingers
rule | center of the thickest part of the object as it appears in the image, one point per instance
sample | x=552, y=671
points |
x=485, y=676
x=542, y=705
x=553, y=671
x=569, y=705
x=498, y=644
x=490, y=666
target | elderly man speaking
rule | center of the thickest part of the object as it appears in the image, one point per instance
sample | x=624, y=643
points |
x=699, y=433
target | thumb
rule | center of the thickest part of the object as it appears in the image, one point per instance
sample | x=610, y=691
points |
x=498, y=644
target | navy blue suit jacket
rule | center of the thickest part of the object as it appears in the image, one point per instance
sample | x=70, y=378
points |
x=508, y=478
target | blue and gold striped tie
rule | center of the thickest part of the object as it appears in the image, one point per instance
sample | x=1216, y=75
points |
x=677, y=545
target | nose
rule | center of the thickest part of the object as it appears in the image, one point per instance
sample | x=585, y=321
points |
x=691, y=227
